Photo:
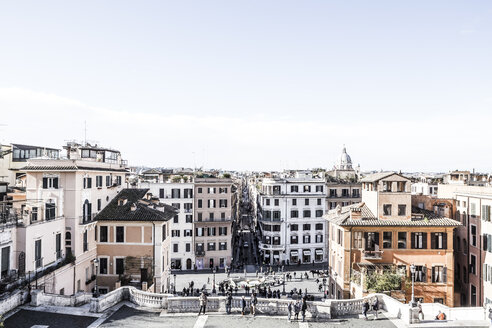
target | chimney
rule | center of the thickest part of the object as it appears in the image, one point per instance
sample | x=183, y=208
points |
x=133, y=208
x=355, y=213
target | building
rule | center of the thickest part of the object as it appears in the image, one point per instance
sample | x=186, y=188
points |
x=215, y=208
x=13, y=157
x=467, y=178
x=133, y=242
x=290, y=216
x=178, y=191
x=343, y=169
x=426, y=185
x=62, y=198
x=384, y=234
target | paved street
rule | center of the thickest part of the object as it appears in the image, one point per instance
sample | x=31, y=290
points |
x=28, y=319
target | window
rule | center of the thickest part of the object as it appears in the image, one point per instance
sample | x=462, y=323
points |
x=189, y=218
x=438, y=274
x=473, y=264
x=473, y=209
x=50, y=210
x=294, y=188
x=294, y=239
x=211, y=216
x=120, y=234
x=319, y=188
x=222, y=246
x=402, y=210
x=372, y=240
x=358, y=239
x=402, y=240
x=200, y=190
x=294, y=202
x=340, y=237
x=108, y=181
x=120, y=266
x=188, y=193
x=387, y=209
x=99, y=181
x=473, y=235
x=319, y=213
x=306, y=213
x=318, y=201
x=188, y=232
x=37, y=254
x=199, y=232
x=211, y=231
x=223, y=203
x=50, y=183
x=276, y=215
x=355, y=193
x=87, y=183
x=222, y=190
x=387, y=239
x=319, y=238
x=276, y=202
x=99, y=204
x=175, y=248
x=57, y=245
x=175, y=233
x=86, y=242
x=419, y=240
x=306, y=201
x=294, y=214
x=306, y=239
x=211, y=247
x=212, y=203
x=333, y=193
x=319, y=226
x=294, y=227
x=420, y=273
x=486, y=212
x=188, y=247
x=164, y=232
x=200, y=203
x=306, y=227
x=307, y=188
x=439, y=240
x=175, y=193
x=267, y=202
x=222, y=231
x=345, y=193
x=103, y=234
x=34, y=214
x=103, y=265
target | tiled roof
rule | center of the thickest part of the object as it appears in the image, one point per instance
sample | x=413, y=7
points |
x=145, y=210
x=429, y=218
x=376, y=176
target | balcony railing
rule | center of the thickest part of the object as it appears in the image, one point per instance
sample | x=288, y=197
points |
x=38, y=263
x=372, y=255
x=213, y=220
x=199, y=252
x=87, y=219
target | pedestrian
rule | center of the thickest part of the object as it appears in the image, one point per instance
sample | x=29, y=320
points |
x=203, y=303
x=375, y=306
x=228, y=302
x=303, y=308
x=289, y=310
x=252, y=303
x=297, y=308
x=235, y=289
x=490, y=315
x=243, y=305
x=294, y=275
x=365, y=308
x=419, y=305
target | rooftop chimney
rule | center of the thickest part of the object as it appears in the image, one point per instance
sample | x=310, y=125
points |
x=355, y=213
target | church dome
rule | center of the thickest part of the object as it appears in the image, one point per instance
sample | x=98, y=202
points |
x=345, y=162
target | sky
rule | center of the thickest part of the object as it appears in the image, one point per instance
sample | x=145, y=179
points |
x=253, y=85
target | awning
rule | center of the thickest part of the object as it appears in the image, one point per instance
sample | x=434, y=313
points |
x=275, y=256
x=319, y=252
x=306, y=252
x=294, y=253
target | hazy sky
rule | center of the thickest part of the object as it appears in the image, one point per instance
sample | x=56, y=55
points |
x=253, y=84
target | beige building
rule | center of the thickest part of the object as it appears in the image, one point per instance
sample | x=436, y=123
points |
x=133, y=242
x=214, y=211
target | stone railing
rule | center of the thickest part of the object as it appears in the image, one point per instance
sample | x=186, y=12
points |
x=38, y=297
x=106, y=301
x=148, y=299
x=10, y=302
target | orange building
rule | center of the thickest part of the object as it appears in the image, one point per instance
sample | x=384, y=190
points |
x=384, y=233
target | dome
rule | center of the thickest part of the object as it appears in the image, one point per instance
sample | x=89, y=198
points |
x=345, y=162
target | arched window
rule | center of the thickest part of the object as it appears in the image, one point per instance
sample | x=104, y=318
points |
x=68, y=235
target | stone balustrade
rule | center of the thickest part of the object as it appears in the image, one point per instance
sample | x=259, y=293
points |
x=38, y=298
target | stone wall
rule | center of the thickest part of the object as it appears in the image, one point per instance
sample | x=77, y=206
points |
x=38, y=298
x=13, y=300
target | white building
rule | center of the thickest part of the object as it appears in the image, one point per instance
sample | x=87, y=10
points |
x=179, y=195
x=290, y=219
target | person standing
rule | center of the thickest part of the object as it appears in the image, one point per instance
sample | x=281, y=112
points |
x=375, y=306
x=243, y=305
x=303, y=308
x=365, y=308
x=419, y=305
x=252, y=303
x=203, y=302
x=297, y=307
x=289, y=310
x=228, y=302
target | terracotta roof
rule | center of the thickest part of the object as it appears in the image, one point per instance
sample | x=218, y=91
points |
x=144, y=209
x=377, y=176
x=421, y=218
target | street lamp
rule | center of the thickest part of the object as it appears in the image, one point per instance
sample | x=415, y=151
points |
x=412, y=270
x=283, y=286
x=174, y=283
x=213, y=287
x=335, y=280
x=96, y=265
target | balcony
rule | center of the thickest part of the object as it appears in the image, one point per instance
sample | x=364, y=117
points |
x=372, y=255
x=218, y=220
x=87, y=219
x=270, y=247
x=199, y=253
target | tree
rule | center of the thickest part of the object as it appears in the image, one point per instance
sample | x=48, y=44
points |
x=386, y=281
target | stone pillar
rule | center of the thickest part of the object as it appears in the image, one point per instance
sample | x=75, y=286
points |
x=222, y=304
x=413, y=315
x=35, y=297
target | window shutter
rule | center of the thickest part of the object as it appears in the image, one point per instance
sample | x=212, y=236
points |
x=85, y=182
x=424, y=274
x=45, y=183
x=444, y=274
x=433, y=274
x=484, y=210
x=445, y=240
x=413, y=239
x=55, y=183
x=424, y=241
x=433, y=241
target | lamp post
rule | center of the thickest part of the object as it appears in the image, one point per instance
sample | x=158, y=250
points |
x=96, y=265
x=213, y=287
x=283, y=286
x=335, y=280
x=174, y=283
x=412, y=270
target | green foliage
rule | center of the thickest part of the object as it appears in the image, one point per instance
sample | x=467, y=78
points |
x=226, y=175
x=383, y=282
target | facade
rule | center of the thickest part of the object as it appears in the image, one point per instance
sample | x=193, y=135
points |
x=384, y=234
x=215, y=206
x=178, y=194
x=62, y=198
x=13, y=157
x=133, y=242
x=290, y=217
